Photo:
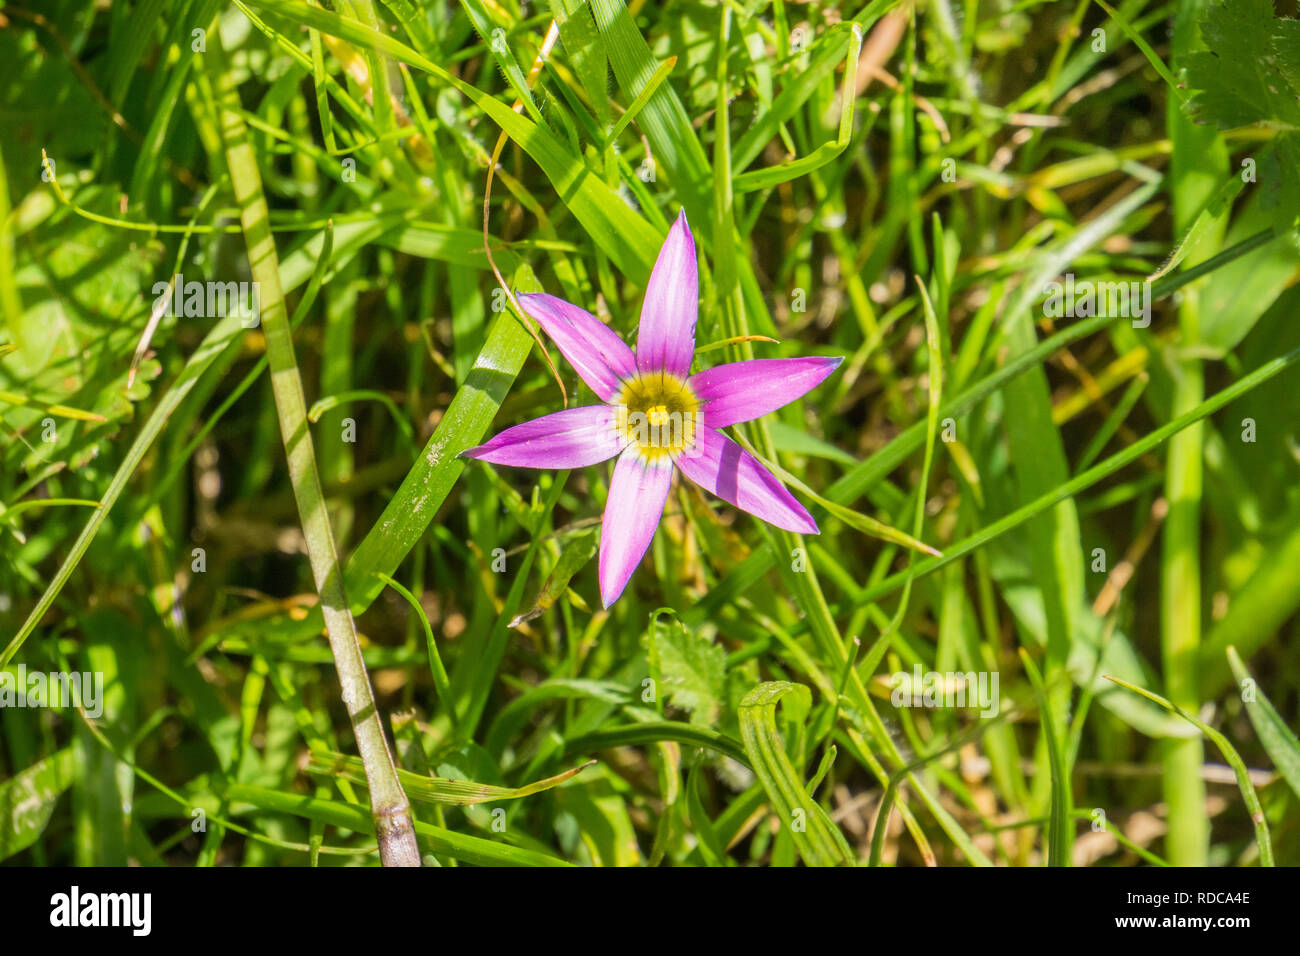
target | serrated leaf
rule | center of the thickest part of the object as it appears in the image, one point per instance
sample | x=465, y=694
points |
x=1241, y=78
x=1250, y=73
x=692, y=669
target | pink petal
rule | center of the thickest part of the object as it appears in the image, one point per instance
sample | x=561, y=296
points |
x=569, y=439
x=637, y=494
x=743, y=391
x=719, y=465
x=592, y=347
x=666, y=340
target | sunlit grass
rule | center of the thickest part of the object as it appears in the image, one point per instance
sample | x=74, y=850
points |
x=1098, y=509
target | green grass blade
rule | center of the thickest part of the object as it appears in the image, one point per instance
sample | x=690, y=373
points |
x=412, y=508
x=1274, y=735
x=468, y=849
x=1262, y=839
x=1088, y=478
x=456, y=793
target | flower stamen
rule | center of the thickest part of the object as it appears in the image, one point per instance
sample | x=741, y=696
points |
x=657, y=414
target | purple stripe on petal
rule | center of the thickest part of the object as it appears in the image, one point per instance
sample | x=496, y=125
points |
x=592, y=347
x=637, y=494
x=569, y=439
x=719, y=465
x=666, y=340
x=743, y=391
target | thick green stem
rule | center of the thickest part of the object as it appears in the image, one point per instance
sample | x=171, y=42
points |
x=1180, y=600
x=1198, y=162
x=388, y=802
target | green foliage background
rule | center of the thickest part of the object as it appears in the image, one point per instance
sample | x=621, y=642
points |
x=893, y=183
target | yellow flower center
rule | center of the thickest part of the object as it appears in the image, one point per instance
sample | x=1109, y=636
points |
x=657, y=414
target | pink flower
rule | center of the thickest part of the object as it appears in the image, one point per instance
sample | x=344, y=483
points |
x=657, y=417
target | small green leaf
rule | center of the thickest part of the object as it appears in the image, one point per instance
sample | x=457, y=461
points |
x=692, y=669
x=573, y=558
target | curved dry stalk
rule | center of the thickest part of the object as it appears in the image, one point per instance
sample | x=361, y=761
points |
x=552, y=34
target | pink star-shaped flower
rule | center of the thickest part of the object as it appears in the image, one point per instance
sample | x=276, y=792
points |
x=657, y=417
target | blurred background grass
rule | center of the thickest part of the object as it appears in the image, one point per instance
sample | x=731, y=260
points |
x=1110, y=499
